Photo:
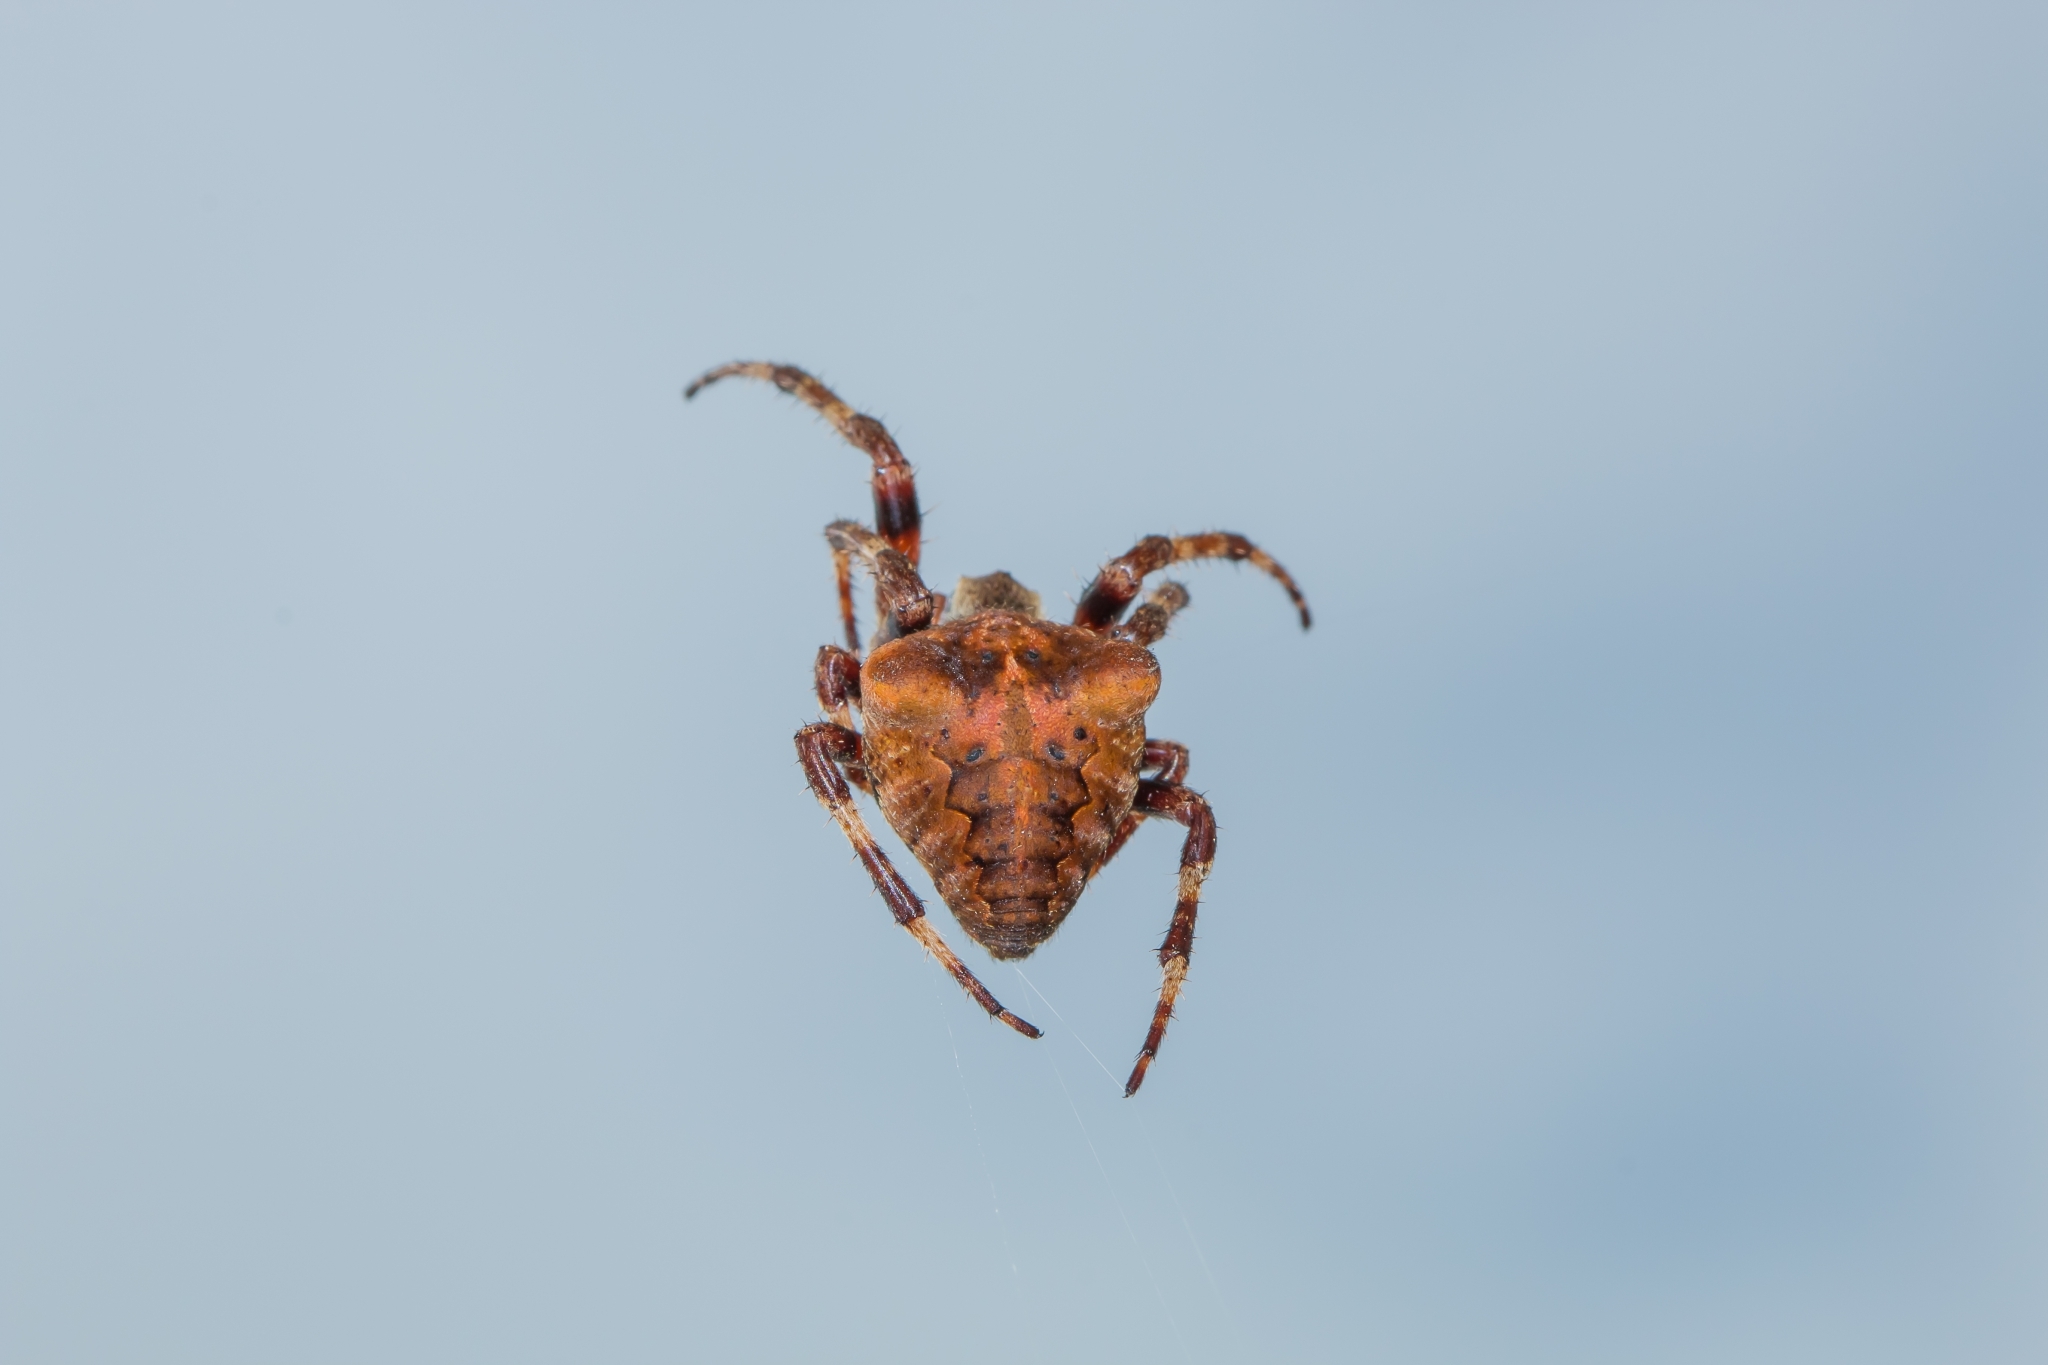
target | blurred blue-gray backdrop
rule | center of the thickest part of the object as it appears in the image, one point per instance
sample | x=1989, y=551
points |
x=417, y=942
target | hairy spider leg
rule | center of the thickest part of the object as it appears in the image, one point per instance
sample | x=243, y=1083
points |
x=1148, y=623
x=1168, y=758
x=1118, y=583
x=842, y=576
x=902, y=600
x=896, y=514
x=1170, y=761
x=822, y=748
x=1197, y=852
x=837, y=678
x=894, y=484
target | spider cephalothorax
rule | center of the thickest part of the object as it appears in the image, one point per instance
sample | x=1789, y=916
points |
x=1008, y=750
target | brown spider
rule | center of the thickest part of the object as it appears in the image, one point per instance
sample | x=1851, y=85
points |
x=1006, y=749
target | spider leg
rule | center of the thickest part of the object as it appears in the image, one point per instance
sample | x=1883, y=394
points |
x=822, y=749
x=902, y=600
x=1120, y=579
x=1196, y=854
x=837, y=678
x=1147, y=625
x=1170, y=761
x=842, y=573
x=1169, y=758
x=895, y=486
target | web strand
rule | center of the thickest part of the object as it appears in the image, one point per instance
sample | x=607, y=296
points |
x=1151, y=1150
x=980, y=1151
x=1109, y=1185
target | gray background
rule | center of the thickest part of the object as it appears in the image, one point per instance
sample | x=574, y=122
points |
x=1627, y=941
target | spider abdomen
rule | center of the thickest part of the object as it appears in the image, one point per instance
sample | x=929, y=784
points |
x=1005, y=750
x=1021, y=843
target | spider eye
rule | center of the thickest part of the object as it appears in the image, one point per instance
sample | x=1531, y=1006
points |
x=1031, y=656
x=1080, y=732
x=988, y=656
x=974, y=754
x=1055, y=750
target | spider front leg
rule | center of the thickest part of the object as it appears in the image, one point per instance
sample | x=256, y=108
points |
x=895, y=487
x=1197, y=852
x=1118, y=582
x=823, y=749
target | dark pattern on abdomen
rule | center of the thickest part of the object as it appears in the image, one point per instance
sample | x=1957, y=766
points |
x=1021, y=825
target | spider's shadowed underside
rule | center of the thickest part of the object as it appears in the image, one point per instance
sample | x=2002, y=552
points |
x=1008, y=750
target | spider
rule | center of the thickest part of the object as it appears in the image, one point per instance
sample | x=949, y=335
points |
x=1008, y=750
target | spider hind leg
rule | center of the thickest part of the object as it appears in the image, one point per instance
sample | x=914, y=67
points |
x=1174, y=802
x=823, y=749
x=1169, y=759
